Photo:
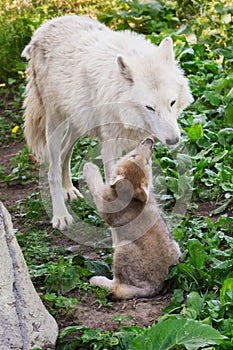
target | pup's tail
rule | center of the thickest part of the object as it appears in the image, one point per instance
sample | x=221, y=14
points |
x=34, y=114
x=122, y=291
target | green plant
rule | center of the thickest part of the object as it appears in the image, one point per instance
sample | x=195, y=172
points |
x=21, y=168
x=87, y=339
x=200, y=313
x=169, y=334
x=59, y=304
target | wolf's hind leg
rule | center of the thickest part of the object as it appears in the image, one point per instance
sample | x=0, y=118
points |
x=54, y=133
x=70, y=192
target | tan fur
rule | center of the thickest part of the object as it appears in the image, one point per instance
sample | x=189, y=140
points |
x=144, y=247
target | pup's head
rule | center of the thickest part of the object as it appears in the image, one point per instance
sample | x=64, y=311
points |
x=132, y=174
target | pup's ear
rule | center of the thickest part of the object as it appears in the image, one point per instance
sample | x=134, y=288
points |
x=124, y=69
x=142, y=194
x=115, y=179
x=166, y=49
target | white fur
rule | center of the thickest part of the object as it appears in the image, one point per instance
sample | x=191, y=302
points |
x=85, y=79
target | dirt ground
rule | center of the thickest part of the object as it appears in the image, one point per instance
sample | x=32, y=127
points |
x=89, y=312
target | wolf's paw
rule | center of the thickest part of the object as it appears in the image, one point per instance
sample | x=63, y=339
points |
x=71, y=193
x=62, y=222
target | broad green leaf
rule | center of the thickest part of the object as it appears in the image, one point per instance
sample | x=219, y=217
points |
x=230, y=94
x=189, y=313
x=225, y=136
x=227, y=187
x=195, y=301
x=213, y=97
x=225, y=52
x=195, y=132
x=204, y=152
x=226, y=292
x=197, y=253
x=224, y=265
x=174, y=332
x=71, y=329
x=229, y=113
x=219, y=156
x=222, y=207
x=99, y=268
x=187, y=270
x=178, y=296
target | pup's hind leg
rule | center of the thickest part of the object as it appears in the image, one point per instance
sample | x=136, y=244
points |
x=54, y=134
x=120, y=291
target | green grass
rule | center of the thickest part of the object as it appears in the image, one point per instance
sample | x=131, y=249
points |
x=201, y=285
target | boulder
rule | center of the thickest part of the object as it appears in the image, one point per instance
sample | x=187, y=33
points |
x=25, y=323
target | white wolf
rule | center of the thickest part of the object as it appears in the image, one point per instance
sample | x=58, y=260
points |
x=85, y=79
x=144, y=247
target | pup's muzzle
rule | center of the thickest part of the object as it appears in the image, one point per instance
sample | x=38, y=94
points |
x=150, y=140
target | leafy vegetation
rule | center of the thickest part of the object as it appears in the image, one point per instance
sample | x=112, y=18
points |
x=200, y=314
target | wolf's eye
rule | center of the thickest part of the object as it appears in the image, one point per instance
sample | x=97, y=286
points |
x=150, y=108
x=133, y=156
x=172, y=103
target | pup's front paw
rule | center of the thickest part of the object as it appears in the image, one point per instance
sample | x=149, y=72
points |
x=89, y=170
x=62, y=222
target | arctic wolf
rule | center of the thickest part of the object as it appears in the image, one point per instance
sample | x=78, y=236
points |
x=144, y=247
x=85, y=79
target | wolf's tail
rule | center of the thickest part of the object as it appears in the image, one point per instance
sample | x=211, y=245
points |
x=34, y=114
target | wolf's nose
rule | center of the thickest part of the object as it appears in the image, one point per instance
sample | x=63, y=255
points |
x=172, y=141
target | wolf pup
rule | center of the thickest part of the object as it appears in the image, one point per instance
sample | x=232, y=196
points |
x=85, y=79
x=144, y=247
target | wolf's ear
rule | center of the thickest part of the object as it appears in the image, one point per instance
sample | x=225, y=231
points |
x=142, y=194
x=185, y=97
x=124, y=69
x=116, y=179
x=166, y=49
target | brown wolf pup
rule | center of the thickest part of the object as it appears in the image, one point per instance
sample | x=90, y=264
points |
x=144, y=247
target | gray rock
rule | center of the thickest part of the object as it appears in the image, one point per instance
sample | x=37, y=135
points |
x=24, y=321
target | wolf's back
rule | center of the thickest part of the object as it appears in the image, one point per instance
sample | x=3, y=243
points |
x=43, y=45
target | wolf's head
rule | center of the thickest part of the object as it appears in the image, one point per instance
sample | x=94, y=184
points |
x=155, y=91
